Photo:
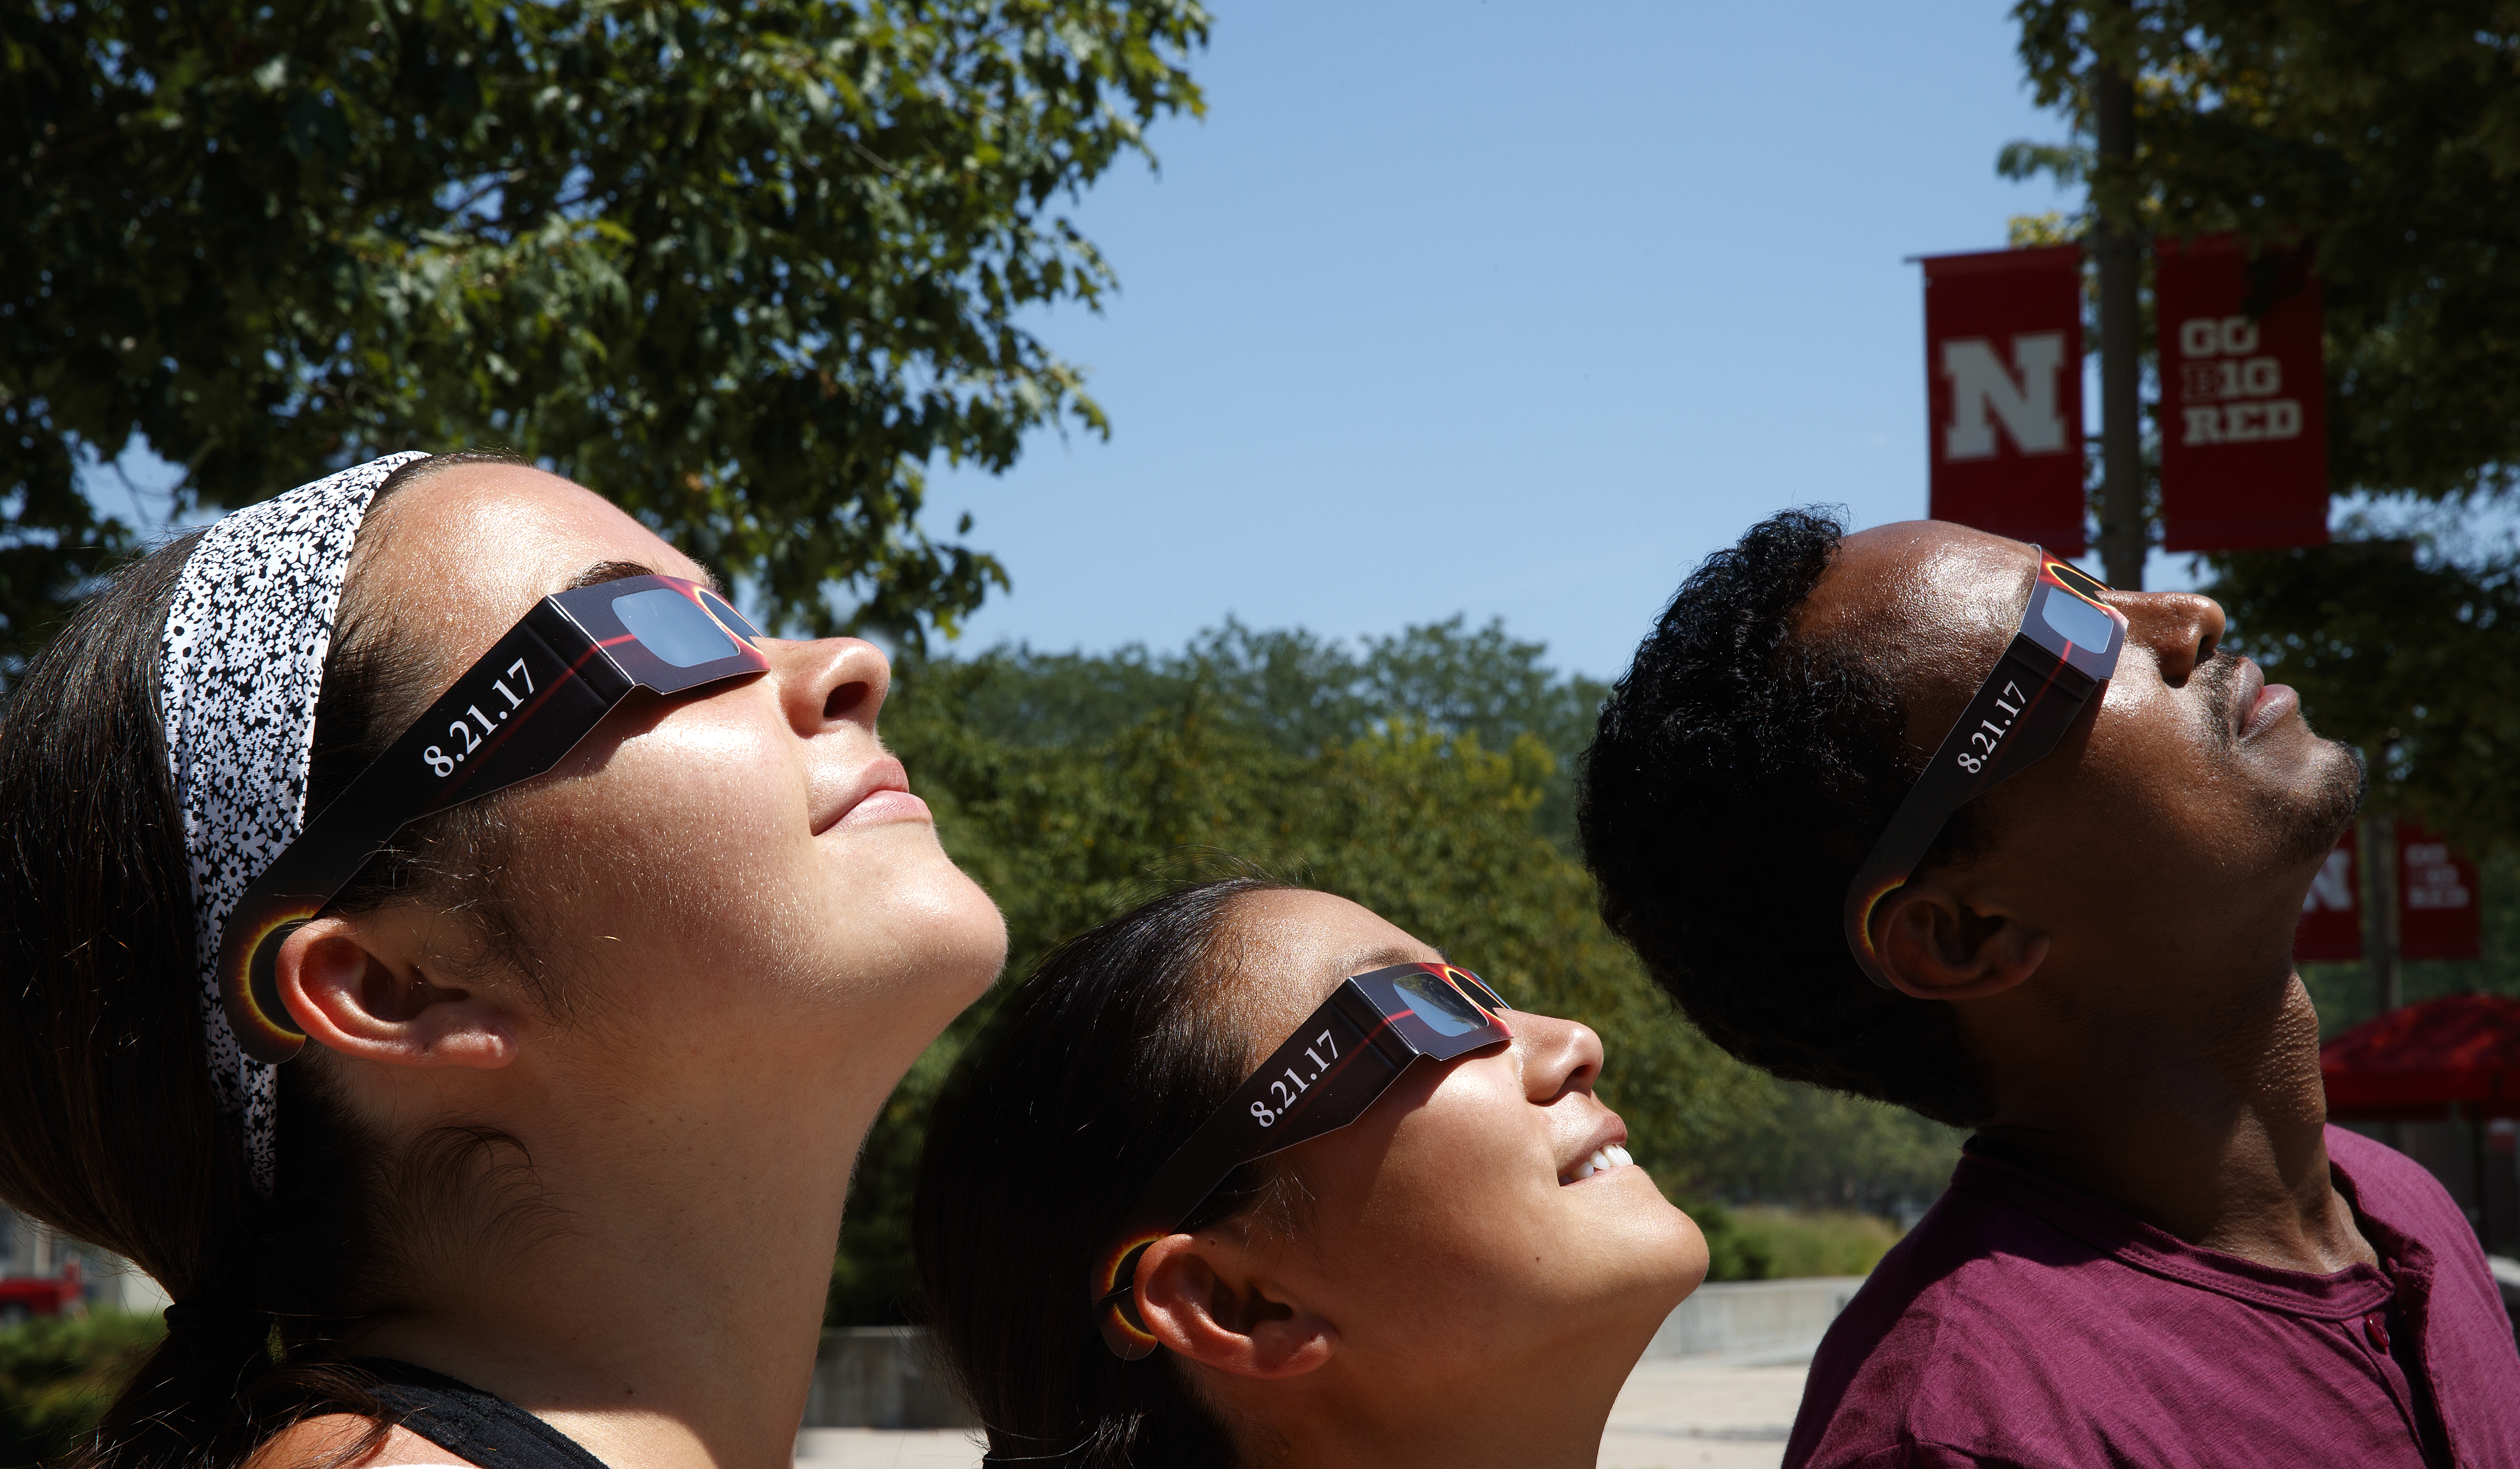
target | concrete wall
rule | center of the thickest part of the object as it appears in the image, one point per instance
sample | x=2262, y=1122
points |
x=1747, y=1323
x=882, y=1377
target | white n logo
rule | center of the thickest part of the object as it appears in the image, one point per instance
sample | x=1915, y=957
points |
x=2333, y=888
x=2026, y=405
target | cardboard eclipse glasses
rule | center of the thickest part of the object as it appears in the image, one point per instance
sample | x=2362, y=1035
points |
x=2066, y=648
x=526, y=703
x=1325, y=1075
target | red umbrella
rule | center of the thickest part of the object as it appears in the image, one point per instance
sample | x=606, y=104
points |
x=2417, y=1061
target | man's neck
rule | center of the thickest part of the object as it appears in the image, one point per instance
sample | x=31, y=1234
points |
x=2212, y=1127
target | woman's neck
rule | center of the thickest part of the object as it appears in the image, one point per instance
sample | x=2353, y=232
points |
x=1546, y=1410
x=653, y=1283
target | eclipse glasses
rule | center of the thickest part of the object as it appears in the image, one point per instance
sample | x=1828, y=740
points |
x=540, y=689
x=2067, y=646
x=1324, y=1077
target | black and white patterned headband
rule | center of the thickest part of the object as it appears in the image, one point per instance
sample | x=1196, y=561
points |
x=244, y=662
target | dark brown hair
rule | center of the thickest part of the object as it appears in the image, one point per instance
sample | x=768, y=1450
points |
x=1083, y=1083
x=108, y=1130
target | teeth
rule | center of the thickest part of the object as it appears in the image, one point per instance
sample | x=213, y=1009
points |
x=1604, y=1158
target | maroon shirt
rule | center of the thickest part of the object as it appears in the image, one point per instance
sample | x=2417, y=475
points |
x=2023, y=1322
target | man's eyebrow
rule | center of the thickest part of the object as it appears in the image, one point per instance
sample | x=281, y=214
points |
x=620, y=571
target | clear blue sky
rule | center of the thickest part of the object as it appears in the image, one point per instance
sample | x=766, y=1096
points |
x=1499, y=307
x=1508, y=308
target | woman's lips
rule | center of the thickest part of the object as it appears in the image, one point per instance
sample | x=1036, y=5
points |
x=1602, y=1151
x=883, y=795
x=880, y=807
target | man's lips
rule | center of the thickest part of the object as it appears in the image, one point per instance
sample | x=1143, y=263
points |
x=2258, y=704
x=879, y=793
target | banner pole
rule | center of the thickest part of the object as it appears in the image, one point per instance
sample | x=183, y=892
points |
x=2477, y=1124
x=2380, y=929
x=2122, y=537
x=2380, y=833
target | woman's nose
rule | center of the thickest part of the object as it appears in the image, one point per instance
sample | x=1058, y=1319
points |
x=830, y=681
x=1558, y=1056
x=2182, y=628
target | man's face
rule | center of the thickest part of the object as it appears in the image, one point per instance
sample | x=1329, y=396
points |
x=2188, y=808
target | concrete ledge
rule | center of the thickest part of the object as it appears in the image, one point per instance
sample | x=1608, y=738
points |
x=882, y=1377
x=1753, y=1323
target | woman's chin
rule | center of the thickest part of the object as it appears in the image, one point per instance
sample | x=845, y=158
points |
x=959, y=936
x=1653, y=1255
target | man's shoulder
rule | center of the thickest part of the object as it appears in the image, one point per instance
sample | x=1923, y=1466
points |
x=2389, y=1183
x=1946, y=1320
x=2012, y=1326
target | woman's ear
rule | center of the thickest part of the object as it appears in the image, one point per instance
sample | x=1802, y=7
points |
x=357, y=986
x=1938, y=943
x=1204, y=1300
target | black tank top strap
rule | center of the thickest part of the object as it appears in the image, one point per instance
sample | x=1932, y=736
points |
x=481, y=1427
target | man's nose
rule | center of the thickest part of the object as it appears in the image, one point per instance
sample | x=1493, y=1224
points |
x=2182, y=628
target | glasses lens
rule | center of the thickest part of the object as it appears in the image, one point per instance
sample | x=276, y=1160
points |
x=1439, y=1004
x=2076, y=621
x=671, y=627
x=727, y=614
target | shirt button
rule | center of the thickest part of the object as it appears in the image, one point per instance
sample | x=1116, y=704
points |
x=2377, y=1331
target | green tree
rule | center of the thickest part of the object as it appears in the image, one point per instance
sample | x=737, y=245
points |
x=748, y=269
x=57, y=1377
x=2381, y=137
x=1301, y=694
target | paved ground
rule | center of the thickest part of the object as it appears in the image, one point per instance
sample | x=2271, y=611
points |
x=1670, y=1415
x=1676, y=1415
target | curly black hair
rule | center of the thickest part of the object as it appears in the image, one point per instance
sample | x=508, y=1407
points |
x=1740, y=775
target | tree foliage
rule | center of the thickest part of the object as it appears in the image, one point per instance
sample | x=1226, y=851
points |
x=1414, y=779
x=2407, y=653
x=2347, y=996
x=745, y=269
x=57, y=1376
x=2382, y=138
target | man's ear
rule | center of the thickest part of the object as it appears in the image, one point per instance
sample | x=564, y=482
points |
x=358, y=986
x=1937, y=943
x=1204, y=1300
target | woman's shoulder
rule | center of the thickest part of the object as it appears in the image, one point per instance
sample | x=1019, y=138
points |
x=322, y=1442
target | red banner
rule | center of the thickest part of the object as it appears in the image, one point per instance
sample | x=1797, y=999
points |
x=2331, y=911
x=2437, y=897
x=2243, y=403
x=2004, y=373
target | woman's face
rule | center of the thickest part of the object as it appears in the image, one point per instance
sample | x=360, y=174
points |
x=742, y=873
x=1446, y=1232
